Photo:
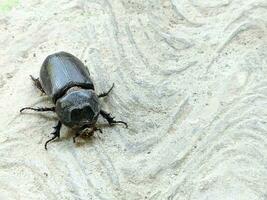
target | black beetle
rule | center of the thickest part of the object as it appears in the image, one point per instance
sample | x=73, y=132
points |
x=66, y=80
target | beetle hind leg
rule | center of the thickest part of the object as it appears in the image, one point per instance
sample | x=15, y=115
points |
x=37, y=83
x=56, y=133
x=106, y=93
x=110, y=119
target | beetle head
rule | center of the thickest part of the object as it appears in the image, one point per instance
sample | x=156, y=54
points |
x=78, y=108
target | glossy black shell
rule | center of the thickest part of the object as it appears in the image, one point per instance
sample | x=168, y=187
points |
x=61, y=71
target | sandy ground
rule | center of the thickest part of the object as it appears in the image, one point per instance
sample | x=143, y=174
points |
x=190, y=80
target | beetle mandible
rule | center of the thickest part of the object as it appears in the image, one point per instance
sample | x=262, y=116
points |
x=66, y=80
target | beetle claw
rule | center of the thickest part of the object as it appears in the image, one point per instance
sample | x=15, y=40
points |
x=56, y=133
x=111, y=120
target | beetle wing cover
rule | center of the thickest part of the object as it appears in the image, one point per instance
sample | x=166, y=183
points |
x=60, y=71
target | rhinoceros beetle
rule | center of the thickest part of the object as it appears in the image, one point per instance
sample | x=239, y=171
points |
x=66, y=80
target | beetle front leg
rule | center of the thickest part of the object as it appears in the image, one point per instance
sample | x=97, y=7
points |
x=110, y=119
x=56, y=133
x=37, y=83
x=106, y=93
x=39, y=109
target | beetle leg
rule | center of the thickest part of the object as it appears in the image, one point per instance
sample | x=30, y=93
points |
x=39, y=109
x=110, y=119
x=106, y=93
x=37, y=83
x=56, y=133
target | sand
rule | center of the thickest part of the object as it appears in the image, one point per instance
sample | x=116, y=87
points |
x=190, y=79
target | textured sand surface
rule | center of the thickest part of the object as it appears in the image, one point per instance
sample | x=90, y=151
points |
x=190, y=79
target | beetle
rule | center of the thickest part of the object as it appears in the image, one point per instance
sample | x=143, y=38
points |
x=67, y=82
